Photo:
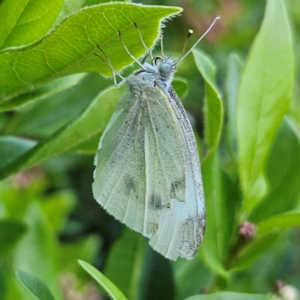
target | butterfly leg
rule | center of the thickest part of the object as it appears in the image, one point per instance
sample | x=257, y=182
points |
x=114, y=71
x=148, y=53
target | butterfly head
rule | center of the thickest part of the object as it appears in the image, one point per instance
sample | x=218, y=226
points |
x=166, y=67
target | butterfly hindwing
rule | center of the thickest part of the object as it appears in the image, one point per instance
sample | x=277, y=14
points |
x=182, y=224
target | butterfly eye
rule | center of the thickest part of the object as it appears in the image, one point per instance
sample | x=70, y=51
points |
x=156, y=61
x=165, y=69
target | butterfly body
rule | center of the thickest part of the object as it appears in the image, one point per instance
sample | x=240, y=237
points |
x=147, y=167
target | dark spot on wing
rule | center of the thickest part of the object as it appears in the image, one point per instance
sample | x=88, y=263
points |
x=176, y=186
x=155, y=202
x=152, y=228
x=188, y=246
x=130, y=184
x=202, y=221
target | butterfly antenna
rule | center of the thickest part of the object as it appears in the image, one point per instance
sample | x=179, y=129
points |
x=143, y=42
x=190, y=32
x=205, y=33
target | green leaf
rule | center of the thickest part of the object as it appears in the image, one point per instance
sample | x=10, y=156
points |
x=34, y=251
x=215, y=246
x=42, y=91
x=11, y=231
x=279, y=222
x=25, y=21
x=109, y=287
x=35, y=286
x=127, y=256
x=72, y=7
x=184, y=270
x=42, y=118
x=213, y=104
x=85, y=248
x=283, y=175
x=12, y=147
x=284, y=181
x=57, y=207
x=3, y=284
x=142, y=272
x=234, y=69
x=88, y=147
x=27, y=186
x=94, y=2
x=91, y=122
x=180, y=85
x=230, y=296
x=264, y=95
x=217, y=224
x=249, y=253
x=70, y=48
x=157, y=278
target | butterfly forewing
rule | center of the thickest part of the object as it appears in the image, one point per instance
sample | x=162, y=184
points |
x=120, y=169
x=137, y=173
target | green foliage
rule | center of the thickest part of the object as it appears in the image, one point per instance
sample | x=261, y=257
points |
x=266, y=84
x=234, y=69
x=34, y=286
x=40, y=92
x=70, y=48
x=230, y=296
x=181, y=86
x=53, y=109
x=284, y=191
x=213, y=245
x=111, y=289
x=213, y=104
x=127, y=255
x=10, y=233
x=81, y=130
x=26, y=21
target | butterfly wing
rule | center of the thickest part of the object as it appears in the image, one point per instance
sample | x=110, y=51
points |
x=144, y=176
x=192, y=214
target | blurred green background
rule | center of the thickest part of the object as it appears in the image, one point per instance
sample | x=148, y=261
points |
x=49, y=219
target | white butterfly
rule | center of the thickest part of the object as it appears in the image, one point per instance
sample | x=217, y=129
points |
x=147, y=166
